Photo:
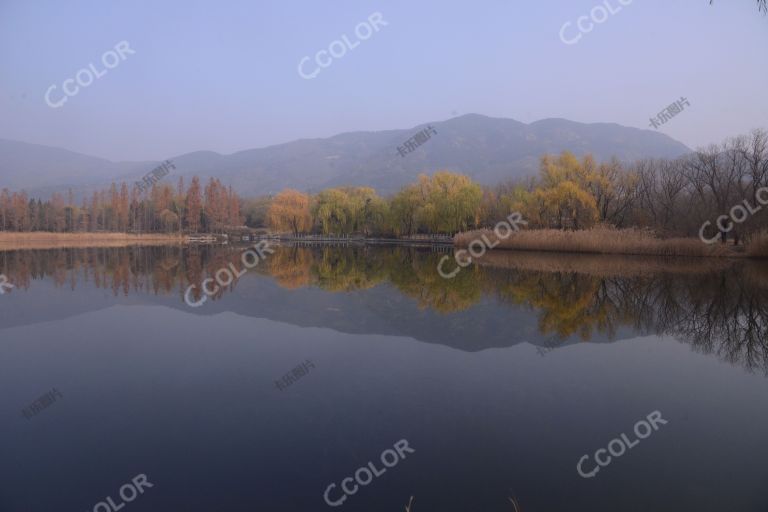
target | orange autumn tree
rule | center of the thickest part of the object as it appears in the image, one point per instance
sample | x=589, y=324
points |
x=194, y=206
x=290, y=211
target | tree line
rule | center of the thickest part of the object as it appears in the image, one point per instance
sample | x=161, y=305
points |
x=162, y=209
x=443, y=203
x=671, y=197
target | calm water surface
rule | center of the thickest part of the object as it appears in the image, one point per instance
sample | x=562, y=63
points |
x=500, y=380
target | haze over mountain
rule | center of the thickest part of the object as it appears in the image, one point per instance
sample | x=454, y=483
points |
x=487, y=149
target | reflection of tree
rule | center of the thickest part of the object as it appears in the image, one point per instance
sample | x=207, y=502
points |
x=347, y=269
x=727, y=316
x=291, y=267
x=122, y=270
x=569, y=303
x=723, y=312
x=415, y=274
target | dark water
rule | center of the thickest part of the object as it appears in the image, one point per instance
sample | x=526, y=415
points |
x=500, y=380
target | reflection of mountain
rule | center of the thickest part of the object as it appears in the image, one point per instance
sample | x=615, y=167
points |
x=397, y=291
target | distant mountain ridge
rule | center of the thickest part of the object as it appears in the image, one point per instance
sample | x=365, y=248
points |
x=487, y=149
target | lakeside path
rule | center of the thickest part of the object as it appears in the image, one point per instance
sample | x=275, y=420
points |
x=46, y=240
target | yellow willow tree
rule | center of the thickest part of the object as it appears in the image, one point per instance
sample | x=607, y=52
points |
x=451, y=202
x=365, y=210
x=567, y=167
x=503, y=199
x=350, y=210
x=331, y=209
x=404, y=210
x=562, y=198
x=289, y=210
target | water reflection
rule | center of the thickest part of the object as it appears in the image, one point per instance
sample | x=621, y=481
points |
x=718, y=307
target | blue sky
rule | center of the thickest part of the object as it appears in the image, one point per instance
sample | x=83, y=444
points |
x=222, y=75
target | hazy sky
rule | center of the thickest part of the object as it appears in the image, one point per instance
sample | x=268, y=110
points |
x=222, y=75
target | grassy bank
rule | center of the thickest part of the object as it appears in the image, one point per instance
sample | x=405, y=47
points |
x=45, y=240
x=602, y=240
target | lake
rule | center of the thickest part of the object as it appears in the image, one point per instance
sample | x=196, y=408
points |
x=356, y=377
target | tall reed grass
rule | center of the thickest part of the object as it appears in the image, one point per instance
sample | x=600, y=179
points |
x=598, y=240
x=757, y=247
x=605, y=265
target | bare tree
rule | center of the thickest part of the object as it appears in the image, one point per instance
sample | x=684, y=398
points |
x=662, y=189
x=716, y=174
x=761, y=4
x=755, y=152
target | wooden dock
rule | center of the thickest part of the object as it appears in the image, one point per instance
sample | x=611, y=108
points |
x=241, y=236
x=423, y=241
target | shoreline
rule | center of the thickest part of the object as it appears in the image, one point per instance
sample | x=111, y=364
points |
x=604, y=241
x=11, y=241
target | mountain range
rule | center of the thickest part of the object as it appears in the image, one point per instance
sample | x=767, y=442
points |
x=489, y=150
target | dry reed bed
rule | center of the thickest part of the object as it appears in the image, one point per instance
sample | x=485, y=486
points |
x=758, y=245
x=46, y=240
x=598, y=241
x=601, y=265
